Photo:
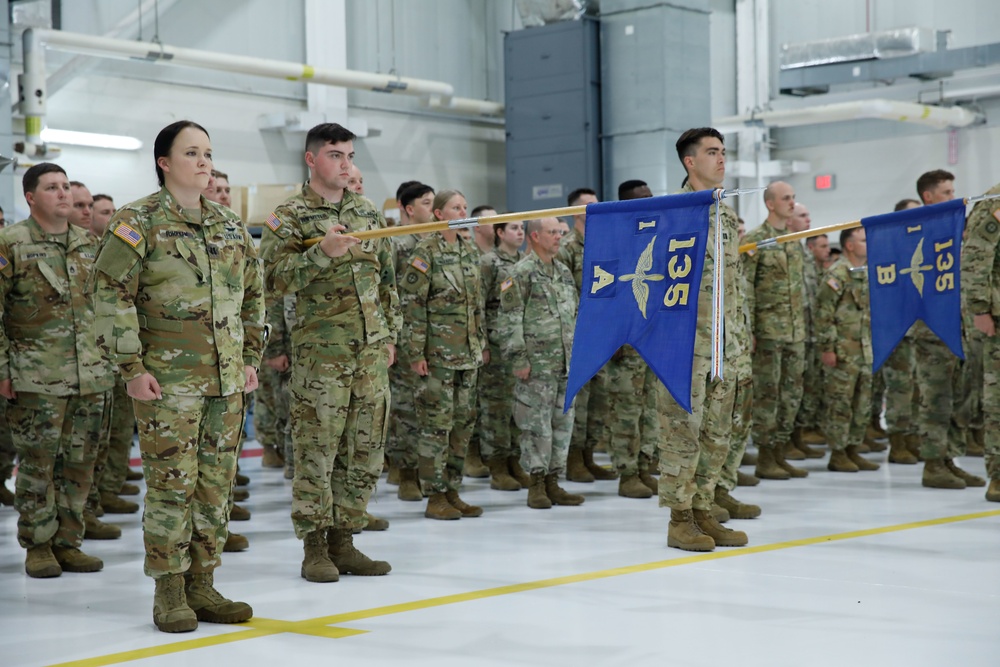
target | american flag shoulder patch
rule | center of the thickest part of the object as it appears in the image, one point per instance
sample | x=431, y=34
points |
x=128, y=234
x=420, y=265
x=273, y=222
x=505, y=285
x=834, y=283
x=3, y=262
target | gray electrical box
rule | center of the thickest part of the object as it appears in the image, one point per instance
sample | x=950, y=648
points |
x=553, y=114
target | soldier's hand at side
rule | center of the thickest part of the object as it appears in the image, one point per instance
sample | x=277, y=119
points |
x=279, y=363
x=392, y=353
x=7, y=390
x=144, y=388
x=251, y=381
x=829, y=359
x=420, y=367
x=523, y=373
x=335, y=244
x=985, y=324
x=486, y=357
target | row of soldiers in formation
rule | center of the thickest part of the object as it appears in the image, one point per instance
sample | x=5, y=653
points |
x=178, y=294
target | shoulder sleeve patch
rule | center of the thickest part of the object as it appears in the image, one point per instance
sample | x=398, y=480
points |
x=751, y=253
x=834, y=284
x=420, y=265
x=504, y=286
x=273, y=222
x=129, y=234
x=3, y=262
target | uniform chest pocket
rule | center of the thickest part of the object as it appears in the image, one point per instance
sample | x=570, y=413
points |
x=193, y=255
x=228, y=255
x=57, y=282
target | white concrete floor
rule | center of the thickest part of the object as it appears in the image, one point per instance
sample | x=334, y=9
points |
x=842, y=569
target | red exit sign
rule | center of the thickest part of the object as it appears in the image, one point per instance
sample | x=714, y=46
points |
x=825, y=182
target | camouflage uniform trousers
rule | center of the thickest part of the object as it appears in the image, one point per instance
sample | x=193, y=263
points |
x=56, y=438
x=404, y=430
x=939, y=379
x=694, y=446
x=7, y=451
x=446, y=412
x=742, y=422
x=597, y=431
x=270, y=412
x=340, y=414
x=972, y=416
x=810, y=409
x=545, y=429
x=495, y=425
x=991, y=403
x=189, y=448
x=877, y=396
x=777, y=375
x=847, y=389
x=580, y=414
x=902, y=400
x=121, y=427
x=632, y=399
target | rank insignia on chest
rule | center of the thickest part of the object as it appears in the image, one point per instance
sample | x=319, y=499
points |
x=505, y=285
x=273, y=222
x=420, y=265
x=128, y=234
x=834, y=284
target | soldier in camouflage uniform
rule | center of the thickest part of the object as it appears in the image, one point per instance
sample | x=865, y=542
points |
x=416, y=207
x=55, y=380
x=270, y=413
x=981, y=283
x=694, y=452
x=445, y=342
x=180, y=309
x=844, y=338
x=535, y=326
x=498, y=436
x=343, y=342
x=776, y=296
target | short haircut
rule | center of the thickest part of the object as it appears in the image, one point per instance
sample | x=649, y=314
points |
x=404, y=186
x=220, y=174
x=628, y=186
x=812, y=239
x=574, y=196
x=903, y=204
x=415, y=191
x=688, y=142
x=98, y=198
x=834, y=252
x=327, y=133
x=165, y=141
x=929, y=180
x=31, y=177
x=533, y=225
x=76, y=184
x=479, y=209
x=847, y=235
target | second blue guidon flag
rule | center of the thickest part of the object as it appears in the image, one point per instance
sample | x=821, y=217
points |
x=642, y=263
x=913, y=273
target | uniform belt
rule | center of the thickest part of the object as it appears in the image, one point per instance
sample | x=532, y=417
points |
x=160, y=324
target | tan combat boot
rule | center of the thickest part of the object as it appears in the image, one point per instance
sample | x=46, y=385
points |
x=209, y=605
x=720, y=513
x=749, y=459
x=465, y=508
x=438, y=507
x=913, y=444
x=722, y=536
x=841, y=462
x=684, y=533
x=861, y=462
x=72, y=559
x=235, y=543
x=875, y=430
x=736, y=509
x=559, y=495
x=272, y=458
x=474, y=466
x=171, y=612
x=239, y=513
x=241, y=479
x=938, y=476
x=133, y=475
x=874, y=445
x=767, y=465
x=517, y=472
x=349, y=560
x=375, y=523
x=538, y=499
x=898, y=451
x=967, y=477
x=95, y=529
x=598, y=471
x=646, y=465
x=576, y=470
x=112, y=504
x=811, y=436
x=975, y=442
x=409, y=485
x=779, y=458
x=631, y=486
x=316, y=564
x=393, y=476
x=793, y=453
x=746, y=479
x=993, y=493
x=500, y=478
x=39, y=563
x=800, y=444
x=240, y=494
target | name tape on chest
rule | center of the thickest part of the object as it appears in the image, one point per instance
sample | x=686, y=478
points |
x=420, y=265
x=273, y=222
x=128, y=234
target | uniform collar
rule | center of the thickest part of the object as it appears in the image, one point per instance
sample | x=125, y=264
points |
x=314, y=200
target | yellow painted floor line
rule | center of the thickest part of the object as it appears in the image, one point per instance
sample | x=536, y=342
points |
x=320, y=627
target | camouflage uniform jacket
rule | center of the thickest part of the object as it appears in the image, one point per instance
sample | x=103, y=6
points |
x=495, y=266
x=736, y=338
x=47, y=335
x=179, y=298
x=981, y=258
x=443, y=305
x=843, y=323
x=403, y=246
x=538, y=314
x=775, y=276
x=810, y=283
x=347, y=300
x=571, y=254
x=279, y=341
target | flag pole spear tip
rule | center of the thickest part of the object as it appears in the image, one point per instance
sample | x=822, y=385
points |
x=736, y=192
x=979, y=198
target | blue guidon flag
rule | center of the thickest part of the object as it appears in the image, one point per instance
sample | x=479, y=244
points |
x=642, y=263
x=913, y=274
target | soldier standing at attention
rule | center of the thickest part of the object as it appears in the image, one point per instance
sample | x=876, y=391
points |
x=445, y=343
x=981, y=282
x=538, y=314
x=51, y=373
x=180, y=309
x=776, y=300
x=844, y=340
x=343, y=342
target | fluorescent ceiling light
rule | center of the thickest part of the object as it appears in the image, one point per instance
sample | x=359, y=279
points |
x=113, y=141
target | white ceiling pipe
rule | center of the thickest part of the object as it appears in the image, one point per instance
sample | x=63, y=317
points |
x=904, y=112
